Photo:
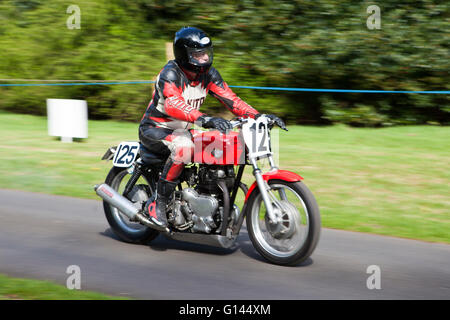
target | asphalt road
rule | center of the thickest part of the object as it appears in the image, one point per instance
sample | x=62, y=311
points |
x=42, y=235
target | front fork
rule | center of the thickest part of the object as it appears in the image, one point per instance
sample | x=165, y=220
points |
x=264, y=188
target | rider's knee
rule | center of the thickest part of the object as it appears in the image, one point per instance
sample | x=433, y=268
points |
x=182, y=148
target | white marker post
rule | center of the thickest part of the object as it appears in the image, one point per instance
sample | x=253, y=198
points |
x=67, y=119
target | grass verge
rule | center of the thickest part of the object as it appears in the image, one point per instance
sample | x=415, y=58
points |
x=25, y=289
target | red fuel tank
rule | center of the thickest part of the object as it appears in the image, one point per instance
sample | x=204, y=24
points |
x=214, y=147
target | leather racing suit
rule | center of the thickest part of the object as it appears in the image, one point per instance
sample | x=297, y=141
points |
x=175, y=104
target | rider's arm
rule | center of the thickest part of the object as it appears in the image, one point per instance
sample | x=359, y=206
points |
x=220, y=90
x=175, y=106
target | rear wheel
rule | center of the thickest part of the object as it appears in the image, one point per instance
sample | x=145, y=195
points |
x=126, y=230
x=293, y=239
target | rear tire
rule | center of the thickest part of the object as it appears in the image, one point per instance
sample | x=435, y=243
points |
x=120, y=224
x=299, y=239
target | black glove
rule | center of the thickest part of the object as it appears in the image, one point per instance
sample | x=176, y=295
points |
x=214, y=123
x=275, y=119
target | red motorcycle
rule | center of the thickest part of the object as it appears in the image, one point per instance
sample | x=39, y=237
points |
x=282, y=215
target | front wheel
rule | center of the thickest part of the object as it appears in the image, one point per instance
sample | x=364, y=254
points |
x=294, y=237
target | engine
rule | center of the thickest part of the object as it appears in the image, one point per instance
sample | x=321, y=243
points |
x=200, y=206
x=208, y=175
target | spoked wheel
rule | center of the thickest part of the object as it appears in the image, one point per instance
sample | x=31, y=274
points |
x=126, y=230
x=294, y=237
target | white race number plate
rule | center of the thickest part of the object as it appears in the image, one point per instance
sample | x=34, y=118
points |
x=256, y=137
x=125, y=154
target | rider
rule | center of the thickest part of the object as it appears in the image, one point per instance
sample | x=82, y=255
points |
x=181, y=88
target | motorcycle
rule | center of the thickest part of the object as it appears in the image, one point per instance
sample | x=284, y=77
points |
x=282, y=215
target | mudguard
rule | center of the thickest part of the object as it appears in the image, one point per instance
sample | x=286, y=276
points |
x=109, y=154
x=278, y=175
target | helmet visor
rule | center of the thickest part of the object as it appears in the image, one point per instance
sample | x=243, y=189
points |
x=200, y=57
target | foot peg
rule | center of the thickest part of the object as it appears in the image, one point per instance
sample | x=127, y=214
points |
x=145, y=221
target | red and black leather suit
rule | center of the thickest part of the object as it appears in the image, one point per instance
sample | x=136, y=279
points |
x=164, y=128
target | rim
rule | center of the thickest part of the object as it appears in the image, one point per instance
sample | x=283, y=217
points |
x=287, y=238
x=119, y=182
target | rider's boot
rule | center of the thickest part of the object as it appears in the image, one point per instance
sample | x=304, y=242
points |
x=156, y=209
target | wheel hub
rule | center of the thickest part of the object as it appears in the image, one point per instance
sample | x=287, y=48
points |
x=138, y=195
x=287, y=218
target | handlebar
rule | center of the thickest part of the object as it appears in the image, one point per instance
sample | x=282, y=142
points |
x=238, y=122
x=241, y=120
x=270, y=121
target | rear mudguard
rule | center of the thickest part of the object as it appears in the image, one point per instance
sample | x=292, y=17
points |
x=275, y=174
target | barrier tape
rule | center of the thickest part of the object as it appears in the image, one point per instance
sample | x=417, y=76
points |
x=240, y=87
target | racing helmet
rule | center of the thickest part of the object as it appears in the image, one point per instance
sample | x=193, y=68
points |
x=193, y=49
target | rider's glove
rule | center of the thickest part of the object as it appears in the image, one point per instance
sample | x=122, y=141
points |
x=274, y=119
x=214, y=123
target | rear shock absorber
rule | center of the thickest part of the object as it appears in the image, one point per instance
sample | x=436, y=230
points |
x=134, y=178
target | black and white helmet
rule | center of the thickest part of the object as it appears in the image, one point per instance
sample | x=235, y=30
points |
x=193, y=49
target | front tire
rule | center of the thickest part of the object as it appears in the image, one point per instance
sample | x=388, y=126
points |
x=292, y=240
x=126, y=230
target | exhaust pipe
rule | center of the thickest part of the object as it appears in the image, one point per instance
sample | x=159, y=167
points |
x=116, y=200
x=124, y=205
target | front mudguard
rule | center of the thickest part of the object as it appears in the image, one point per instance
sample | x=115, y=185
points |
x=275, y=174
x=271, y=175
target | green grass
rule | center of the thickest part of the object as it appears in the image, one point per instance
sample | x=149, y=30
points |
x=390, y=181
x=26, y=289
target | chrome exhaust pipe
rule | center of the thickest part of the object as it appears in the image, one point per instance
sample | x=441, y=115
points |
x=116, y=200
x=124, y=205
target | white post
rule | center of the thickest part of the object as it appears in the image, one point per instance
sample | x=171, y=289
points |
x=67, y=119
